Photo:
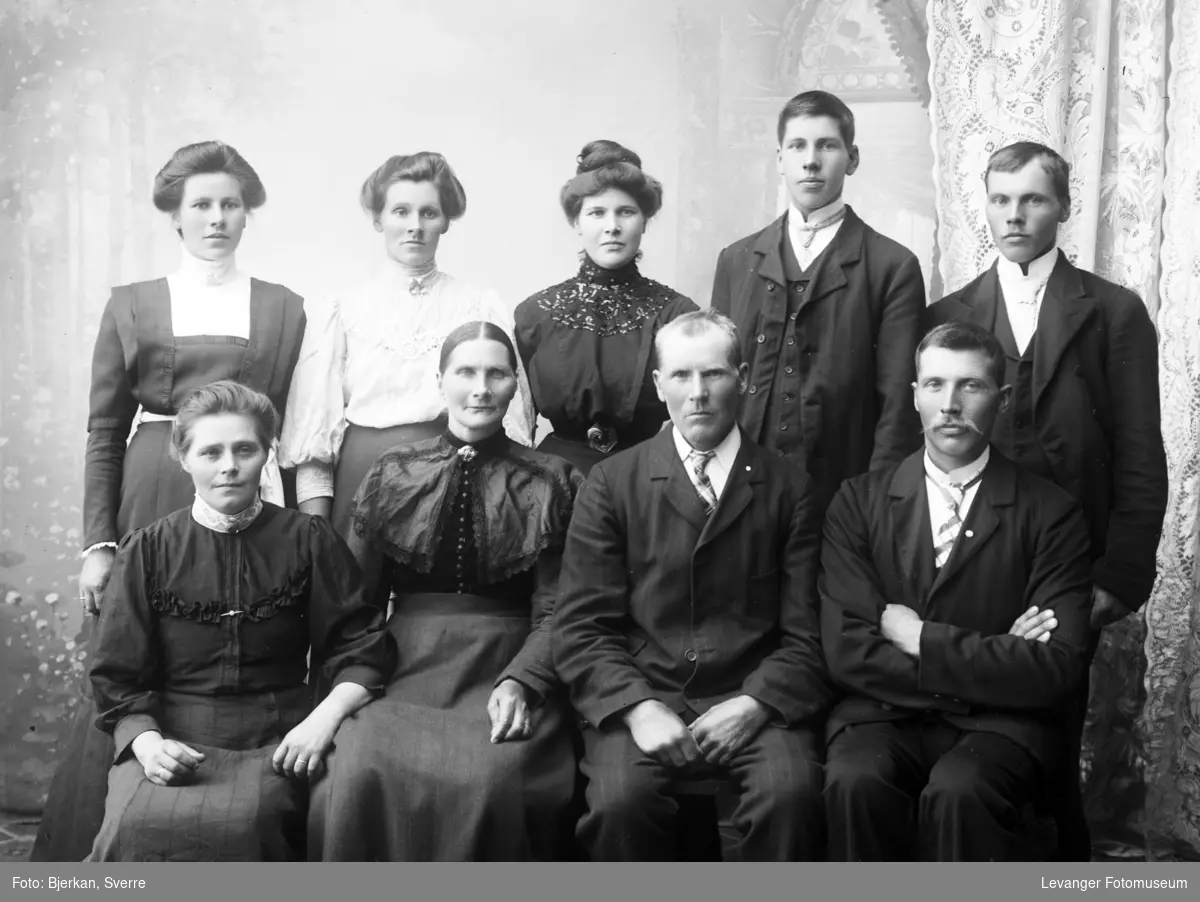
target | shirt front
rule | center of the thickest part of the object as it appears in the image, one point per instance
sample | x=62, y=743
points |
x=817, y=239
x=1023, y=293
x=209, y=297
x=720, y=465
x=940, y=510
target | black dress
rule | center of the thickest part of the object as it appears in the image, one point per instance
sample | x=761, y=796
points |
x=471, y=544
x=588, y=347
x=138, y=361
x=204, y=637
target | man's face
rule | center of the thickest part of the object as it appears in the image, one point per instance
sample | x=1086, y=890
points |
x=1023, y=211
x=958, y=400
x=815, y=161
x=699, y=386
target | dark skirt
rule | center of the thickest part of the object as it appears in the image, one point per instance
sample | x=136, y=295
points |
x=361, y=447
x=415, y=776
x=235, y=809
x=152, y=486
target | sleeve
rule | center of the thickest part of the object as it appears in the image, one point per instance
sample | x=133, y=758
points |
x=898, y=431
x=1139, y=465
x=533, y=666
x=853, y=596
x=588, y=638
x=520, y=420
x=125, y=661
x=112, y=407
x=1008, y=672
x=722, y=292
x=350, y=643
x=793, y=679
x=315, y=422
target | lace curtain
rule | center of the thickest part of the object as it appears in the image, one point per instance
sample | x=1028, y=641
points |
x=1089, y=78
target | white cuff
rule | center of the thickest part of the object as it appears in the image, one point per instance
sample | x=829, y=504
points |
x=83, y=555
x=314, y=479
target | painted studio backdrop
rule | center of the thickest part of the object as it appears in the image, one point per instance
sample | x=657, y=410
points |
x=96, y=94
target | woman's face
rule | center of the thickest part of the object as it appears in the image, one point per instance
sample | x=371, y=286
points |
x=478, y=384
x=611, y=225
x=211, y=217
x=225, y=460
x=412, y=222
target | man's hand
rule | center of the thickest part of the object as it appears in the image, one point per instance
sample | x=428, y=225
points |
x=723, y=730
x=902, y=627
x=1034, y=625
x=661, y=734
x=1106, y=608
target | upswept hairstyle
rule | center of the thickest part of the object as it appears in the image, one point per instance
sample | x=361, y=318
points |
x=425, y=166
x=606, y=164
x=200, y=159
x=225, y=396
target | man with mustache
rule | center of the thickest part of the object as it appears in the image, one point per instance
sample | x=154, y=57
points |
x=952, y=720
x=1082, y=356
x=829, y=311
x=687, y=624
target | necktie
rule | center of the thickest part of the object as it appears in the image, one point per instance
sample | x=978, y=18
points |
x=698, y=461
x=954, y=494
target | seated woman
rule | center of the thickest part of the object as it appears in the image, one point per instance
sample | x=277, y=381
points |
x=465, y=757
x=588, y=343
x=199, y=670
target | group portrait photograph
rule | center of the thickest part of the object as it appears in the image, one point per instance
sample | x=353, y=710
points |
x=561, y=432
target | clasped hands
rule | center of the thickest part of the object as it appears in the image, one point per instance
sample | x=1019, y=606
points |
x=716, y=736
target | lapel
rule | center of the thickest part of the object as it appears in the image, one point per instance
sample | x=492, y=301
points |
x=770, y=263
x=980, y=300
x=844, y=251
x=747, y=470
x=1065, y=308
x=909, y=512
x=669, y=479
x=998, y=489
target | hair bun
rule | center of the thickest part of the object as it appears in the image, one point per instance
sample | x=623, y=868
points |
x=596, y=154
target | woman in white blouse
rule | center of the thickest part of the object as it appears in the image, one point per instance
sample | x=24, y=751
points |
x=367, y=377
x=159, y=341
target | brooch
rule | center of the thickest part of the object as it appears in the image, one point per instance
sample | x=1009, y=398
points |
x=602, y=438
x=467, y=453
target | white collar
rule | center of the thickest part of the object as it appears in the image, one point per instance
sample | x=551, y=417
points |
x=726, y=451
x=207, y=272
x=961, y=475
x=415, y=280
x=816, y=217
x=1039, y=269
x=207, y=515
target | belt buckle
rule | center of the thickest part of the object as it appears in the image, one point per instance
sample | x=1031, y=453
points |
x=602, y=438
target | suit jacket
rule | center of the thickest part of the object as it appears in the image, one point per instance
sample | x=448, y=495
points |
x=660, y=601
x=1022, y=544
x=1096, y=412
x=858, y=327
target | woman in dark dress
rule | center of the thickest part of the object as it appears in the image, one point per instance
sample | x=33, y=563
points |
x=199, y=668
x=465, y=758
x=588, y=343
x=159, y=341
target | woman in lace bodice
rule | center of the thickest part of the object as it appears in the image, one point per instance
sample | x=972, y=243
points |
x=367, y=377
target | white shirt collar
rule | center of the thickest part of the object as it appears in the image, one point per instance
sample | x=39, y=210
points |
x=194, y=271
x=960, y=476
x=1039, y=269
x=726, y=452
x=816, y=217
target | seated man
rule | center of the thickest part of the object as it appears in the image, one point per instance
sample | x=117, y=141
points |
x=687, y=627
x=952, y=720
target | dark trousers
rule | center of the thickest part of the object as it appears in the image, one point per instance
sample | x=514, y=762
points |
x=1074, y=837
x=924, y=790
x=631, y=815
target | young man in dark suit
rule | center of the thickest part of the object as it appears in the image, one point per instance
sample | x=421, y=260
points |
x=952, y=719
x=1082, y=356
x=687, y=627
x=829, y=312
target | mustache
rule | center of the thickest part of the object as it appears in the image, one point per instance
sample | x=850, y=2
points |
x=961, y=422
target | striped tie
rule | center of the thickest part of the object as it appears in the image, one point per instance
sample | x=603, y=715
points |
x=704, y=488
x=954, y=494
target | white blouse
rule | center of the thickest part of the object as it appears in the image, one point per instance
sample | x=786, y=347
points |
x=209, y=297
x=371, y=358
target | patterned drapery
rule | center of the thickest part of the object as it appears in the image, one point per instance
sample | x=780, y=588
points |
x=1089, y=78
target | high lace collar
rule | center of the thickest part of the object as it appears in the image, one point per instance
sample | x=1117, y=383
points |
x=597, y=275
x=415, y=280
x=489, y=447
x=212, y=273
x=208, y=516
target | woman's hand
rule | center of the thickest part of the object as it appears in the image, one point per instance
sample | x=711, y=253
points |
x=166, y=762
x=302, y=752
x=512, y=718
x=93, y=578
